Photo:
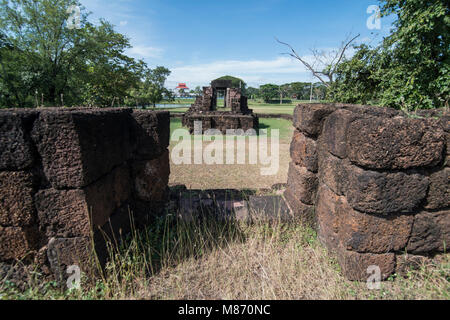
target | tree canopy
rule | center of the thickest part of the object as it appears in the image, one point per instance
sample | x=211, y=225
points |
x=235, y=82
x=44, y=60
x=410, y=68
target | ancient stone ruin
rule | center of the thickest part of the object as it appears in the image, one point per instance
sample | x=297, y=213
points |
x=374, y=181
x=204, y=110
x=69, y=179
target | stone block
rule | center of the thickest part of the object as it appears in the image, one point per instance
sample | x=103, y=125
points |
x=299, y=209
x=63, y=213
x=16, y=150
x=430, y=233
x=302, y=183
x=332, y=172
x=384, y=192
x=16, y=198
x=65, y=252
x=439, y=191
x=355, y=265
x=17, y=243
x=151, y=178
x=304, y=151
x=327, y=220
x=373, y=191
x=308, y=118
x=366, y=233
x=151, y=133
x=342, y=226
x=335, y=131
x=78, y=146
x=395, y=143
x=108, y=194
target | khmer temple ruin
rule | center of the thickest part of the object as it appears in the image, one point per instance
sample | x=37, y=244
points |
x=205, y=109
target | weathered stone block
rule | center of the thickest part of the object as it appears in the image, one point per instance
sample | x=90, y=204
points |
x=79, y=146
x=340, y=225
x=63, y=213
x=308, y=118
x=151, y=178
x=300, y=209
x=366, y=110
x=430, y=233
x=304, y=151
x=108, y=194
x=65, y=252
x=17, y=243
x=302, y=183
x=384, y=193
x=395, y=143
x=16, y=151
x=447, y=159
x=373, y=191
x=327, y=220
x=335, y=131
x=16, y=199
x=355, y=265
x=151, y=133
x=369, y=233
x=332, y=172
x=439, y=191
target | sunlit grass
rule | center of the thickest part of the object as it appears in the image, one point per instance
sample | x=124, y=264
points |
x=223, y=259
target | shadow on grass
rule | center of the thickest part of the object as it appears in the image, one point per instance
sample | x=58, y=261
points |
x=195, y=223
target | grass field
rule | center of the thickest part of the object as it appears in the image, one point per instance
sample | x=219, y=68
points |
x=257, y=106
x=236, y=175
x=174, y=259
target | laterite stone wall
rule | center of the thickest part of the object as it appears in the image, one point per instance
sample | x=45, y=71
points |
x=375, y=182
x=69, y=179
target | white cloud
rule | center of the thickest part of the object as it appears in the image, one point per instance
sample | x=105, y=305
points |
x=145, y=52
x=123, y=23
x=254, y=72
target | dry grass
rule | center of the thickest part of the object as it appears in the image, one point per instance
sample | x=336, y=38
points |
x=228, y=176
x=234, y=176
x=209, y=259
x=284, y=265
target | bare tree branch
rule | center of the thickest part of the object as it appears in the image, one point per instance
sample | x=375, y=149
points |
x=306, y=64
x=319, y=56
x=343, y=49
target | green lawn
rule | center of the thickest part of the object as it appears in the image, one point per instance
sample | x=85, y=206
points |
x=258, y=106
x=285, y=127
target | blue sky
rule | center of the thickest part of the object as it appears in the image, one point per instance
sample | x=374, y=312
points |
x=200, y=40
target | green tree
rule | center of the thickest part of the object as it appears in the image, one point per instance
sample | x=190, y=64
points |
x=235, y=82
x=269, y=92
x=151, y=90
x=46, y=59
x=356, y=80
x=284, y=90
x=252, y=92
x=198, y=91
x=410, y=69
x=300, y=89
